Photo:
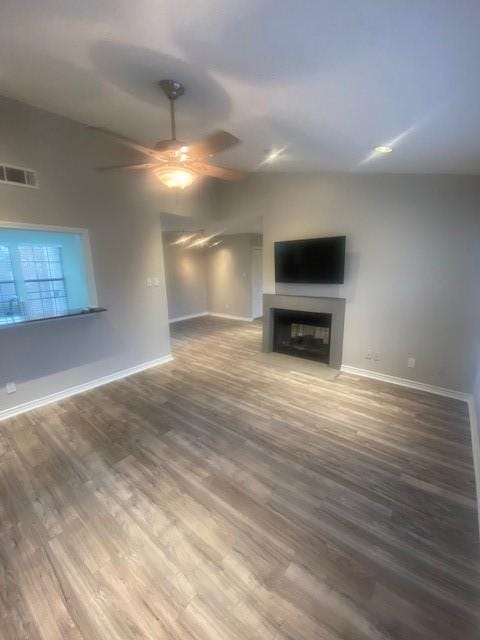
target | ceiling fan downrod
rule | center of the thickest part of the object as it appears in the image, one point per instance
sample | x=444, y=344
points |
x=173, y=90
x=172, y=119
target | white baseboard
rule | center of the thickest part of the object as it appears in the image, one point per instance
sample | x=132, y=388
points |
x=406, y=382
x=230, y=317
x=80, y=388
x=194, y=315
x=475, y=434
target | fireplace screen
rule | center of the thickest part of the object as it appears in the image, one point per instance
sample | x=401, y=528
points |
x=309, y=333
x=302, y=334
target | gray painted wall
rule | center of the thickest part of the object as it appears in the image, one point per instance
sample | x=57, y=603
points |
x=229, y=275
x=475, y=422
x=477, y=386
x=121, y=212
x=186, y=277
x=217, y=280
x=411, y=284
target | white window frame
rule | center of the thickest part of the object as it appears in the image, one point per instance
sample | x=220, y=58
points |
x=87, y=251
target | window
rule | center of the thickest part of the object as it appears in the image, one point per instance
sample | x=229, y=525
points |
x=43, y=274
x=8, y=289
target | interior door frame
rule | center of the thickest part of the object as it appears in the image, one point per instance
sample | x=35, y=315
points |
x=260, y=251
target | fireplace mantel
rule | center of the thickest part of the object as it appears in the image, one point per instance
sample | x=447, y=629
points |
x=334, y=306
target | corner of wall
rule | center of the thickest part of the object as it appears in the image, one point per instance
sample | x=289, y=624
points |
x=474, y=412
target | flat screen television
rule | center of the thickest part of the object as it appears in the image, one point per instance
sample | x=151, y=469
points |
x=311, y=261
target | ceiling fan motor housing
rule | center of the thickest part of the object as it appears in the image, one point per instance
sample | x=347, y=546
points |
x=172, y=88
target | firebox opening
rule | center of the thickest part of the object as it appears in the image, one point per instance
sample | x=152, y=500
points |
x=303, y=334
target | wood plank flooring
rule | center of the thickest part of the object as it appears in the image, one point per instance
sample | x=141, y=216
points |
x=217, y=498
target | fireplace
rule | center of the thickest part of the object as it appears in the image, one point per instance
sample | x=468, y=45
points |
x=306, y=326
x=302, y=333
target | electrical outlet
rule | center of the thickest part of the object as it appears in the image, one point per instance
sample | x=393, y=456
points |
x=411, y=362
x=11, y=387
x=376, y=357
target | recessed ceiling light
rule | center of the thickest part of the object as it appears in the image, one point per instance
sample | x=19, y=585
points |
x=383, y=148
x=201, y=242
x=271, y=155
x=184, y=238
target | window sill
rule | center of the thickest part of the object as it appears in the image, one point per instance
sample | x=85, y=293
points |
x=19, y=321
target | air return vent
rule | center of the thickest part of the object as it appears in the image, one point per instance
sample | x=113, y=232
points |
x=18, y=176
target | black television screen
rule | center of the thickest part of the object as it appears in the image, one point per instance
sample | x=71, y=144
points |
x=314, y=260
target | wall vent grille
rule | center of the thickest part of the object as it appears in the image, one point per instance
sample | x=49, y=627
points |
x=18, y=176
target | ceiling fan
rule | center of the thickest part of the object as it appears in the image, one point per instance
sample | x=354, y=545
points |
x=175, y=163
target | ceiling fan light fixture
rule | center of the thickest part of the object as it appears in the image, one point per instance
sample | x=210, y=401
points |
x=174, y=177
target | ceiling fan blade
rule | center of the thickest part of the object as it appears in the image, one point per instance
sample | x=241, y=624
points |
x=214, y=143
x=168, y=145
x=128, y=142
x=221, y=173
x=129, y=167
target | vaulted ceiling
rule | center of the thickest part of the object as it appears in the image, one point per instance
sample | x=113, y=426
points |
x=324, y=80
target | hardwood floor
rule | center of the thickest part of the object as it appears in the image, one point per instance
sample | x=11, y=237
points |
x=217, y=498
